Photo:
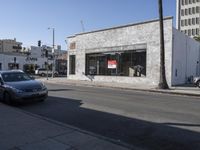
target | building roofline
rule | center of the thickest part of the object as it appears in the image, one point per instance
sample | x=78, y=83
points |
x=122, y=26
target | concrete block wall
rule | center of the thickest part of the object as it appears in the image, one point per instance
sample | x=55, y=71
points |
x=186, y=58
x=123, y=38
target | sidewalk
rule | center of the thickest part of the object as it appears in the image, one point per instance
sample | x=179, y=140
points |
x=24, y=131
x=186, y=90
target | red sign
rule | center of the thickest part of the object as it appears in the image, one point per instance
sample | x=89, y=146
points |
x=112, y=64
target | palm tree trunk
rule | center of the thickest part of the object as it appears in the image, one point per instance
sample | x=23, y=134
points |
x=162, y=82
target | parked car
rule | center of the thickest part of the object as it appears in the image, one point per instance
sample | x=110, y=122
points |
x=17, y=86
x=43, y=72
x=196, y=81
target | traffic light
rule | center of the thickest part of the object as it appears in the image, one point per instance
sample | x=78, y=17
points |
x=39, y=43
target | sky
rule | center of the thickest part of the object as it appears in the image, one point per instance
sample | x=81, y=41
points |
x=28, y=20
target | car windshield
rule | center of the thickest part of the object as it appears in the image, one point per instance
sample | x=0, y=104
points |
x=15, y=76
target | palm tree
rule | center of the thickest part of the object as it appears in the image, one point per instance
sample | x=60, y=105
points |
x=162, y=82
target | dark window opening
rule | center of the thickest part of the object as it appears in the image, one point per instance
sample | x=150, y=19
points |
x=72, y=64
x=127, y=63
x=12, y=66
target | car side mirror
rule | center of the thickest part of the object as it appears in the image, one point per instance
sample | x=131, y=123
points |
x=32, y=77
x=1, y=82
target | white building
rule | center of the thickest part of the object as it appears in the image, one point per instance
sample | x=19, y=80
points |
x=36, y=57
x=9, y=61
x=30, y=57
x=188, y=17
x=114, y=54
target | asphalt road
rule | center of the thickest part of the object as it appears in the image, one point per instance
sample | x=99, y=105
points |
x=147, y=120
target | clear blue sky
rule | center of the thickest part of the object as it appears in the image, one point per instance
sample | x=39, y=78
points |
x=28, y=20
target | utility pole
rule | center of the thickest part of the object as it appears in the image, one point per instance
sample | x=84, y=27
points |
x=53, y=52
x=82, y=25
x=162, y=82
x=47, y=64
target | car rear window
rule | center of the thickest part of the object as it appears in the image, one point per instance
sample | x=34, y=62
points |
x=41, y=69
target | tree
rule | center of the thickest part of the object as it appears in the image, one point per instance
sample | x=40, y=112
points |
x=162, y=82
x=197, y=38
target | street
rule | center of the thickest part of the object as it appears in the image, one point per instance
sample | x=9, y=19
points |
x=147, y=120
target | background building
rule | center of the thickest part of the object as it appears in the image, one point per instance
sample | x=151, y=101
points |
x=37, y=58
x=131, y=54
x=188, y=17
x=61, y=62
x=9, y=61
x=10, y=46
x=13, y=56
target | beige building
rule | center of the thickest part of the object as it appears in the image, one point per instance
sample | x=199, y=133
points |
x=10, y=46
x=188, y=17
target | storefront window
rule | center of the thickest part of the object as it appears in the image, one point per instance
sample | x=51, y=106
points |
x=13, y=66
x=72, y=65
x=126, y=63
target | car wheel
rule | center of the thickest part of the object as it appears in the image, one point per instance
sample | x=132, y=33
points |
x=198, y=84
x=7, y=98
x=43, y=74
x=55, y=74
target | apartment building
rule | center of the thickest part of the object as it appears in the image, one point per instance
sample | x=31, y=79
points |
x=188, y=17
x=10, y=46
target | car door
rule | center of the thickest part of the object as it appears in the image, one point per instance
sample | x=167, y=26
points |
x=1, y=88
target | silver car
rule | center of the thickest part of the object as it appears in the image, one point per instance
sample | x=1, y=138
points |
x=17, y=86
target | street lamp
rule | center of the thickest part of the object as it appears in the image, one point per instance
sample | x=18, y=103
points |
x=53, y=51
x=45, y=50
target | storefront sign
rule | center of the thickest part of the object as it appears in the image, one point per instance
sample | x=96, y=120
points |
x=112, y=64
x=31, y=59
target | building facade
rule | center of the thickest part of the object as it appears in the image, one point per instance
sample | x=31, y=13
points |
x=188, y=17
x=9, y=61
x=61, y=62
x=10, y=46
x=30, y=58
x=131, y=54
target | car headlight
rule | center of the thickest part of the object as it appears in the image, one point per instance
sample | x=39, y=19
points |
x=16, y=90
x=43, y=86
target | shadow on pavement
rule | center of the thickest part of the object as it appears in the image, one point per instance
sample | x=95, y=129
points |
x=144, y=134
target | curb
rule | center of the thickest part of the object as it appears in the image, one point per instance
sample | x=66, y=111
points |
x=126, y=88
